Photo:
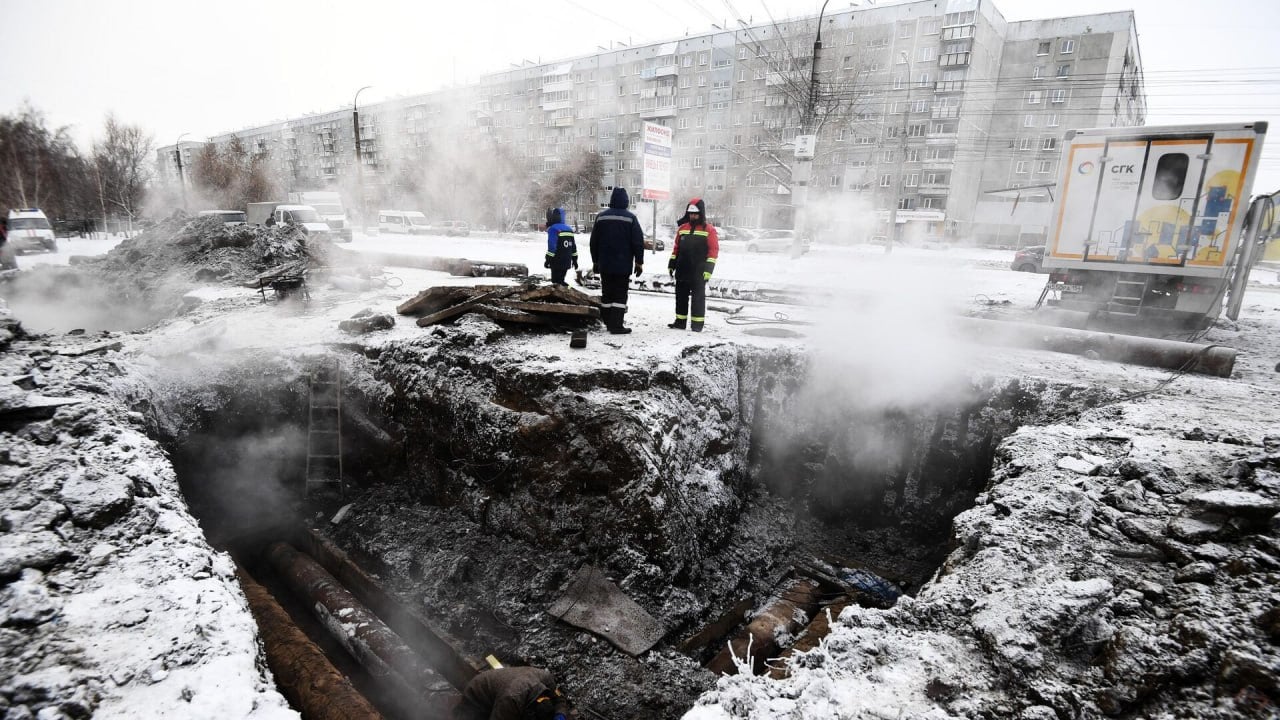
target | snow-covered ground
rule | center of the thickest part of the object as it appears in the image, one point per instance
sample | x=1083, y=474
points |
x=877, y=664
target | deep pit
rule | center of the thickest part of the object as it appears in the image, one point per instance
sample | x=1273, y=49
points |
x=482, y=481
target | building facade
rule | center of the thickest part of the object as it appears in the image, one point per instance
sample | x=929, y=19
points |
x=924, y=105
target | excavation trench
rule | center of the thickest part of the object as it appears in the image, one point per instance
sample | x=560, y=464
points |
x=711, y=488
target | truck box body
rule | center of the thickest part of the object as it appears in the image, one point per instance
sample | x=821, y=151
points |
x=329, y=206
x=1148, y=220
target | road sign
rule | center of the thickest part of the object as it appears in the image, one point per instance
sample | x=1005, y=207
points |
x=806, y=145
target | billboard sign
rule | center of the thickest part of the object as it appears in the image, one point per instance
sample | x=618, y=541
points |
x=656, y=158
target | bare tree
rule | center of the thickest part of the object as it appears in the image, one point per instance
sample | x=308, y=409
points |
x=42, y=168
x=576, y=183
x=122, y=167
x=837, y=97
x=231, y=176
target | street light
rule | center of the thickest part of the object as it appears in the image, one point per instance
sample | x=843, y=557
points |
x=181, y=183
x=897, y=192
x=355, y=124
x=803, y=169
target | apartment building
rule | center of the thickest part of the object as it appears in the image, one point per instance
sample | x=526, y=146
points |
x=926, y=105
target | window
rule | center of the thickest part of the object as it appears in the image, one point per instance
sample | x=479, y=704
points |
x=742, y=53
x=1036, y=72
x=1171, y=175
x=834, y=181
x=1045, y=166
x=1067, y=47
x=1043, y=48
x=906, y=29
x=918, y=106
x=1029, y=121
x=1025, y=143
x=913, y=180
x=1050, y=144
x=702, y=81
x=926, y=54
x=1021, y=167
x=930, y=26
x=886, y=156
x=886, y=180
x=916, y=130
x=703, y=57
x=913, y=155
x=1058, y=96
x=923, y=80
x=899, y=82
x=1064, y=71
x=1033, y=97
x=697, y=162
x=682, y=123
x=686, y=61
x=1051, y=120
x=906, y=204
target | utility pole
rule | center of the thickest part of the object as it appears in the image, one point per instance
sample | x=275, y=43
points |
x=806, y=147
x=355, y=125
x=898, y=179
x=178, y=156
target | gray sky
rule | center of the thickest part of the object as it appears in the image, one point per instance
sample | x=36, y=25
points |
x=206, y=68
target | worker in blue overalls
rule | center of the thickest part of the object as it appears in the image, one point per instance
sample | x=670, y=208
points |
x=562, y=250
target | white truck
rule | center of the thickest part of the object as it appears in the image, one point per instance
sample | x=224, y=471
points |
x=1149, y=224
x=329, y=206
x=274, y=213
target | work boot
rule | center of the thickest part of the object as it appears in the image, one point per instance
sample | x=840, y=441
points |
x=619, y=330
x=696, y=327
x=678, y=324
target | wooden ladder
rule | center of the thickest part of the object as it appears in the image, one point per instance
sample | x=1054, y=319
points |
x=324, y=429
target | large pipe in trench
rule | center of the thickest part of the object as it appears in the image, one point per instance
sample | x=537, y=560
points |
x=760, y=638
x=303, y=672
x=386, y=657
x=1152, y=352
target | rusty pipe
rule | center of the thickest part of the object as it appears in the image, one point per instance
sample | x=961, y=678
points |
x=389, y=661
x=760, y=637
x=305, y=676
x=1152, y=352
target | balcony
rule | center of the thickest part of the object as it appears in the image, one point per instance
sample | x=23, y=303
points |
x=938, y=164
x=557, y=105
x=940, y=138
x=954, y=59
x=559, y=122
x=557, y=86
x=774, y=78
x=934, y=188
x=945, y=113
x=659, y=72
x=957, y=32
x=949, y=86
x=659, y=111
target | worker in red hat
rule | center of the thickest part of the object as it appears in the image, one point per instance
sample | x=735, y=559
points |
x=693, y=259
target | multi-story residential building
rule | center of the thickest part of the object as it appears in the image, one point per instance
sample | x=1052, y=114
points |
x=926, y=105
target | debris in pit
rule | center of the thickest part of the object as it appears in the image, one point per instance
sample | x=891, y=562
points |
x=592, y=602
x=514, y=304
x=366, y=321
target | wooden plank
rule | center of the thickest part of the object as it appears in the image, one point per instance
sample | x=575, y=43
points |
x=432, y=299
x=718, y=629
x=88, y=349
x=453, y=312
x=503, y=314
x=553, y=308
x=575, y=297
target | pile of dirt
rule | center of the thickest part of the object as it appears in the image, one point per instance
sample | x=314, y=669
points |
x=178, y=252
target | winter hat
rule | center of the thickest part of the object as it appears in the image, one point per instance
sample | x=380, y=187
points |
x=553, y=217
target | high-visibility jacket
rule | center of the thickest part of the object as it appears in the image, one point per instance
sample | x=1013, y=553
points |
x=694, y=252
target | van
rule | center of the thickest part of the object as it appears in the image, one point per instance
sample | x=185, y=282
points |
x=404, y=222
x=29, y=231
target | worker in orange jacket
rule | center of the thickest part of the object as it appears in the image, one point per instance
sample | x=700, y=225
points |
x=693, y=259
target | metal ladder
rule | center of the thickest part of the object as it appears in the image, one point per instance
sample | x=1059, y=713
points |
x=1129, y=294
x=324, y=429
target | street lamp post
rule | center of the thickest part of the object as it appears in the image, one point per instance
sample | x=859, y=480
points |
x=802, y=169
x=181, y=182
x=355, y=124
x=899, y=180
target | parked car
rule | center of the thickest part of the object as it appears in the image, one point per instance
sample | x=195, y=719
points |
x=406, y=222
x=652, y=244
x=452, y=227
x=776, y=241
x=1029, y=259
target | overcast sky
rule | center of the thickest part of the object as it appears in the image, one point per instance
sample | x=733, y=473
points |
x=204, y=68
